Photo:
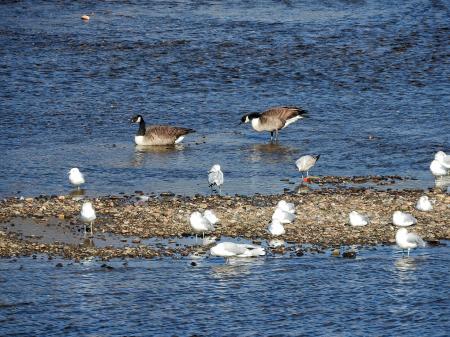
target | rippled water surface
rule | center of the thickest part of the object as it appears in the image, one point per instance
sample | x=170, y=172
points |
x=377, y=294
x=361, y=68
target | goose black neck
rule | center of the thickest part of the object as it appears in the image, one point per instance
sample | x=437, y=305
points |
x=141, y=131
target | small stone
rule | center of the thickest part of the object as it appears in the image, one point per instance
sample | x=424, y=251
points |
x=193, y=264
x=85, y=17
x=59, y=265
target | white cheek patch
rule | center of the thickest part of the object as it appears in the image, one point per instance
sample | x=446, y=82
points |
x=179, y=139
x=138, y=120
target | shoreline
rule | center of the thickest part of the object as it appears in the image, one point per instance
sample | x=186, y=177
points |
x=322, y=220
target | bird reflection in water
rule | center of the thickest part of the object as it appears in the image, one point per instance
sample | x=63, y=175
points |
x=271, y=152
x=236, y=267
x=141, y=152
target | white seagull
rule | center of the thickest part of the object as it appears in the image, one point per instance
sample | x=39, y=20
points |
x=437, y=169
x=443, y=159
x=210, y=216
x=231, y=249
x=305, y=163
x=286, y=206
x=283, y=216
x=200, y=224
x=215, y=176
x=358, y=220
x=407, y=240
x=76, y=178
x=403, y=219
x=88, y=215
x=424, y=204
x=276, y=228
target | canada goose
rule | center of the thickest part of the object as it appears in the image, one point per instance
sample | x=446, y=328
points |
x=158, y=134
x=215, y=177
x=407, y=240
x=76, y=178
x=402, y=219
x=305, y=163
x=274, y=119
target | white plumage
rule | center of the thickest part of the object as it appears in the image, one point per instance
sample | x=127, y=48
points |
x=210, y=216
x=305, y=163
x=403, y=219
x=215, y=176
x=276, y=228
x=424, y=204
x=76, y=178
x=200, y=224
x=407, y=240
x=282, y=216
x=87, y=212
x=443, y=159
x=437, y=169
x=357, y=219
x=231, y=249
x=286, y=206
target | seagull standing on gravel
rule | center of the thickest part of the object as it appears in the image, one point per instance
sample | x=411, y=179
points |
x=286, y=206
x=402, y=219
x=88, y=215
x=358, y=220
x=76, y=178
x=407, y=240
x=276, y=228
x=210, y=216
x=231, y=249
x=215, y=177
x=424, y=204
x=200, y=224
x=305, y=163
x=282, y=216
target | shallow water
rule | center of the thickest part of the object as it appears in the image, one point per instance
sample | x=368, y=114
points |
x=360, y=68
x=377, y=294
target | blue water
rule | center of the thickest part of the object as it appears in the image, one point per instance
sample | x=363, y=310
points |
x=377, y=294
x=361, y=68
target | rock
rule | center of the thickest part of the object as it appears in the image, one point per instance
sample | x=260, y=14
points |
x=59, y=265
x=336, y=252
x=349, y=255
x=85, y=17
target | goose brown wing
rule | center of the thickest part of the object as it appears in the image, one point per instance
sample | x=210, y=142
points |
x=166, y=132
x=283, y=112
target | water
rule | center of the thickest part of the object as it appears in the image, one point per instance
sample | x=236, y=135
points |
x=377, y=294
x=69, y=88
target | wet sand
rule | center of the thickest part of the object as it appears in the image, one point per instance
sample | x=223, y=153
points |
x=322, y=220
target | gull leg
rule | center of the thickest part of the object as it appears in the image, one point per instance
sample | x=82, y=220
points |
x=409, y=250
x=276, y=135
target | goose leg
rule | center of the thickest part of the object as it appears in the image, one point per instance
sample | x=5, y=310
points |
x=276, y=135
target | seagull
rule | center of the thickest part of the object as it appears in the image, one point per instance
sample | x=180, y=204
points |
x=407, y=240
x=282, y=216
x=358, y=220
x=88, y=215
x=274, y=119
x=158, y=134
x=215, y=176
x=286, y=206
x=76, y=178
x=424, y=204
x=231, y=249
x=200, y=224
x=210, y=216
x=403, y=219
x=438, y=169
x=443, y=159
x=305, y=163
x=276, y=228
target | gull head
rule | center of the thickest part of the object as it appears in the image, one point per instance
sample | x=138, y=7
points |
x=215, y=168
x=74, y=170
x=440, y=156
